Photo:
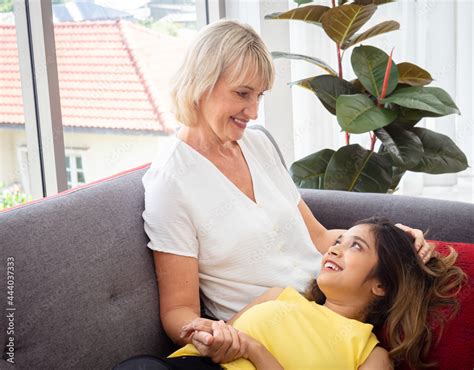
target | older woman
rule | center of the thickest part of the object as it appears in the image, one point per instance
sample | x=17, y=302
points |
x=223, y=216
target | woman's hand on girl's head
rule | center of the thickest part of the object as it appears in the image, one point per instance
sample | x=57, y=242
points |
x=425, y=249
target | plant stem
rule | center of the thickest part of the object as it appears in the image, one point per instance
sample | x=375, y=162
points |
x=339, y=67
x=373, y=139
x=339, y=61
x=386, y=78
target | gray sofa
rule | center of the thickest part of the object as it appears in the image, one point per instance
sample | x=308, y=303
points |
x=85, y=294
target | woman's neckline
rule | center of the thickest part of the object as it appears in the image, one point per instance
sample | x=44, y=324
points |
x=241, y=143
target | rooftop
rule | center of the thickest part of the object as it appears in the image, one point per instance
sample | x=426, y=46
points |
x=112, y=75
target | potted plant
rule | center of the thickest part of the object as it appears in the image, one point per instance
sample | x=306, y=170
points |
x=387, y=100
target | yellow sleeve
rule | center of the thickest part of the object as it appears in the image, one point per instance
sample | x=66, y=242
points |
x=290, y=294
x=187, y=350
x=369, y=347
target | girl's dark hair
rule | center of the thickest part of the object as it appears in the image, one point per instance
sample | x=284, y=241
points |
x=418, y=297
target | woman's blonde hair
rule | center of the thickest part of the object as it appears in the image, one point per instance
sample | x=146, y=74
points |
x=223, y=46
x=419, y=298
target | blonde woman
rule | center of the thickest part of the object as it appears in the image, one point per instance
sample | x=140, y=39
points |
x=223, y=216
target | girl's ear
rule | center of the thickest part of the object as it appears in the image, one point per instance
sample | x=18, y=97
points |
x=378, y=289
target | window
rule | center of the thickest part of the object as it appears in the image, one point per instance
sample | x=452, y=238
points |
x=74, y=170
x=14, y=186
x=115, y=60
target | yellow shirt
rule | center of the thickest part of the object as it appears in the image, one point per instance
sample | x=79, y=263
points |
x=302, y=335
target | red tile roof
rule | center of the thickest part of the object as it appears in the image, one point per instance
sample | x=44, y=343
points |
x=112, y=75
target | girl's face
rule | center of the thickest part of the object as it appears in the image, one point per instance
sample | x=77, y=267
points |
x=347, y=271
x=230, y=106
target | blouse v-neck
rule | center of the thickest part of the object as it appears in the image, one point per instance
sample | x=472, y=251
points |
x=241, y=145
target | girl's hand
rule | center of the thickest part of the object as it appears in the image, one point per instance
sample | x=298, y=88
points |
x=222, y=346
x=425, y=250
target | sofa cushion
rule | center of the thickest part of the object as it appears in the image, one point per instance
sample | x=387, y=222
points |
x=455, y=349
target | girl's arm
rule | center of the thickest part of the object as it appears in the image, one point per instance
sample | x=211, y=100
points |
x=377, y=360
x=246, y=347
x=256, y=353
x=322, y=238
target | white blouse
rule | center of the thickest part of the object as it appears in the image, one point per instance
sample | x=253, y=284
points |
x=243, y=247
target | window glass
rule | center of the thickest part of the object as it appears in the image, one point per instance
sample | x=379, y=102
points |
x=14, y=179
x=115, y=60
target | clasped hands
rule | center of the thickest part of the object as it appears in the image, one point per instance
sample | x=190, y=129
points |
x=218, y=340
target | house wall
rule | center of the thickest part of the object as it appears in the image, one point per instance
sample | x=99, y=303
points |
x=9, y=169
x=102, y=155
x=105, y=155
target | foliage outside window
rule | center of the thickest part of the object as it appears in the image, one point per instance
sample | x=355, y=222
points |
x=12, y=196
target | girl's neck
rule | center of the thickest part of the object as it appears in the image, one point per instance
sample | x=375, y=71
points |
x=356, y=311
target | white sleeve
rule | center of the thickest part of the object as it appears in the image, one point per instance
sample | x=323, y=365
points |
x=284, y=177
x=167, y=219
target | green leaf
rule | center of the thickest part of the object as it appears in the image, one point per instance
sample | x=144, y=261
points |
x=411, y=74
x=376, y=30
x=397, y=174
x=310, y=13
x=358, y=114
x=315, y=61
x=404, y=148
x=309, y=171
x=341, y=22
x=441, y=154
x=327, y=88
x=306, y=84
x=369, y=64
x=357, y=85
x=430, y=99
x=410, y=117
x=354, y=168
x=301, y=2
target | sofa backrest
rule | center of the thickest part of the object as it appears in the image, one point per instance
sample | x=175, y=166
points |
x=441, y=219
x=85, y=291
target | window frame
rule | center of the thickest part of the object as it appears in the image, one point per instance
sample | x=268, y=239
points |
x=40, y=91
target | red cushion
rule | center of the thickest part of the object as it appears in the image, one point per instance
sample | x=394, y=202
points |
x=455, y=349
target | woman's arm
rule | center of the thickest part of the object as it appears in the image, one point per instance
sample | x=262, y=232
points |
x=377, y=360
x=178, y=283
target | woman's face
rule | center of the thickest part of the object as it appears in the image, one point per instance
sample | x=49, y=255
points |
x=230, y=106
x=347, y=271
